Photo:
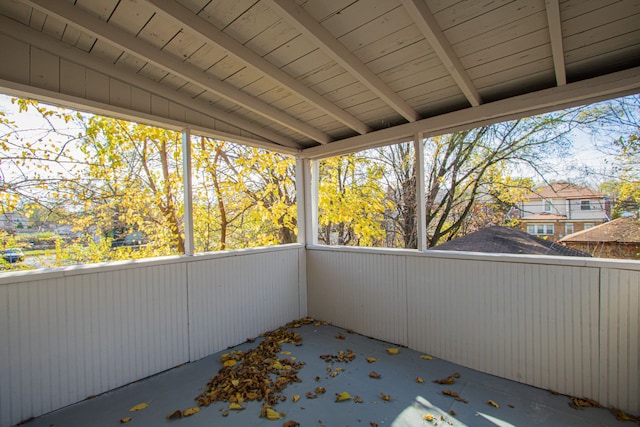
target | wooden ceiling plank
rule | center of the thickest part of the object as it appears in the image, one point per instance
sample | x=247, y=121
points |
x=613, y=85
x=429, y=27
x=308, y=26
x=74, y=16
x=41, y=41
x=555, y=34
x=210, y=34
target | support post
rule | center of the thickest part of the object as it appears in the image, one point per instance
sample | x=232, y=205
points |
x=311, y=171
x=188, y=195
x=418, y=145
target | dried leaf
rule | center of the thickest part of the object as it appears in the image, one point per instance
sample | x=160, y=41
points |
x=311, y=395
x=229, y=363
x=320, y=390
x=419, y=380
x=138, y=407
x=452, y=412
x=426, y=357
x=190, y=411
x=492, y=403
x=385, y=397
x=373, y=424
x=428, y=417
x=291, y=423
x=285, y=353
x=454, y=395
x=371, y=359
x=177, y=414
x=225, y=413
x=392, y=350
x=295, y=398
x=340, y=337
x=358, y=399
x=456, y=375
x=449, y=380
x=125, y=420
x=623, y=416
x=374, y=374
x=343, y=396
x=273, y=415
x=236, y=406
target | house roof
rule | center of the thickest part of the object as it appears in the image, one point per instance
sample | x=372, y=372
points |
x=496, y=239
x=565, y=190
x=320, y=78
x=621, y=230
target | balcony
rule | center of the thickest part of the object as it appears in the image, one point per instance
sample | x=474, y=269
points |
x=567, y=325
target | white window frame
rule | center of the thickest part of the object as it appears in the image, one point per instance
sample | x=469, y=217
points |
x=585, y=205
x=548, y=205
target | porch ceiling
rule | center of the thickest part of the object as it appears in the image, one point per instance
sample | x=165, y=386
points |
x=322, y=76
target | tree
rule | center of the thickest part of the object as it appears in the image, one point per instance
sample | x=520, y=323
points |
x=351, y=201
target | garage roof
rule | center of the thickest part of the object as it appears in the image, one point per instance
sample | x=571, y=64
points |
x=320, y=77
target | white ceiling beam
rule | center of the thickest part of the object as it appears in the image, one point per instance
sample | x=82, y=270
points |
x=597, y=89
x=212, y=35
x=70, y=14
x=555, y=34
x=41, y=41
x=307, y=25
x=427, y=24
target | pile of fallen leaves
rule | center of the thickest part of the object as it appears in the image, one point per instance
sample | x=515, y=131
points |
x=257, y=375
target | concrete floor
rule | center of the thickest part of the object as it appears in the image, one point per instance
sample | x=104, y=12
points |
x=410, y=401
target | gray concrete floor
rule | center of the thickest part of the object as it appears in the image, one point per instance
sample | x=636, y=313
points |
x=519, y=405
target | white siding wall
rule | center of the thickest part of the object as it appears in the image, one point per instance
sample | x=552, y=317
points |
x=72, y=333
x=571, y=325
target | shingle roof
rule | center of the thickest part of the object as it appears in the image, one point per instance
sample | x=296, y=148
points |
x=565, y=190
x=496, y=239
x=621, y=230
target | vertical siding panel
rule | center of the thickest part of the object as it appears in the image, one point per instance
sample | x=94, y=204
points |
x=72, y=78
x=44, y=70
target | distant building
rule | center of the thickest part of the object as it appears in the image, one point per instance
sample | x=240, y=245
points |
x=619, y=238
x=562, y=208
x=506, y=240
x=11, y=221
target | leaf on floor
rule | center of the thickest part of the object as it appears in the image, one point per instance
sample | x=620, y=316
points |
x=291, y=423
x=623, y=416
x=449, y=380
x=455, y=395
x=385, y=397
x=374, y=374
x=358, y=399
x=371, y=359
x=343, y=396
x=138, y=407
x=428, y=417
x=392, y=350
x=426, y=357
x=584, y=402
x=273, y=415
x=235, y=406
x=311, y=395
x=340, y=337
x=492, y=403
x=175, y=415
x=190, y=411
x=125, y=420
x=320, y=390
x=419, y=380
x=295, y=398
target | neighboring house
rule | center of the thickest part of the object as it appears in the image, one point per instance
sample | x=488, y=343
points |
x=11, y=221
x=562, y=208
x=619, y=238
x=506, y=240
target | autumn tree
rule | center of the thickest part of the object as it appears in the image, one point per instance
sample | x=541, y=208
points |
x=351, y=201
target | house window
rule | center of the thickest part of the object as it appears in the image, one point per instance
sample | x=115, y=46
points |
x=548, y=205
x=588, y=226
x=585, y=205
x=540, y=229
x=568, y=228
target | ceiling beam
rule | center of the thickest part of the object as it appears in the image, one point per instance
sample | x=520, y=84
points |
x=597, y=89
x=210, y=34
x=555, y=34
x=308, y=26
x=72, y=15
x=41, y=41
x=427, y=24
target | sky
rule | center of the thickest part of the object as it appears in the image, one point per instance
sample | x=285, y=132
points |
x=584, y=164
